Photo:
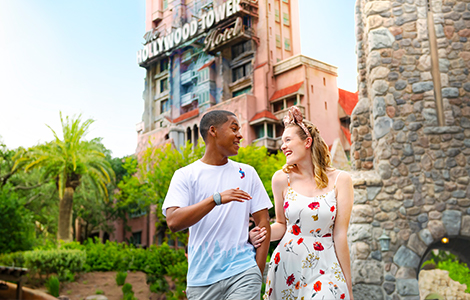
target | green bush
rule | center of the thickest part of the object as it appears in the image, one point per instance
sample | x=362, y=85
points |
x=121, y=278
x=61, y=262
x=53, y=286
x=127, y=292
x=15, y=259
x=99, y=292
x=17, y=232
x=457, y=271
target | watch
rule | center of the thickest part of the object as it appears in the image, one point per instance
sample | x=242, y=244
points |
x=217, y=198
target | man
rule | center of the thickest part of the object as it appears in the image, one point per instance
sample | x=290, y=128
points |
x=214, y=197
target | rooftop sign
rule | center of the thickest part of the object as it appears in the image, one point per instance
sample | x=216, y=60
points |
x=156, y=44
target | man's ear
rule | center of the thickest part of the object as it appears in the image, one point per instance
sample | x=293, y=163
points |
x=212, y=131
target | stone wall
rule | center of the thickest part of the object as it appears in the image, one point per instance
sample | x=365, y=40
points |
x=411, y=175
x=438, y=282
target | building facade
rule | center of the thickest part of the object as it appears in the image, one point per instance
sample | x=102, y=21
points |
x=237, y=55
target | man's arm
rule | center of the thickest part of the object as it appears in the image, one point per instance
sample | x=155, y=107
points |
x=180, y=218
x=262, y=221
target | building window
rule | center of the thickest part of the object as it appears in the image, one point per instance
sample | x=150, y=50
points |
x=324, y=81
x=165, y=4
x=241, y=92
x=204, y=75
x=241, y=48
x=136, y=238
x=163, y=85
x=241, y=71
x=187, y=55
x=259, y=130
x=286, y=19
x=164, y=106
x=276, y=15
x=164, y=65
x=278, y=106
x=278, y=41
x=287, y=44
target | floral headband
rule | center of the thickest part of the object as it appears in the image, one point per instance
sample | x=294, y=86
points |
x=295, y=117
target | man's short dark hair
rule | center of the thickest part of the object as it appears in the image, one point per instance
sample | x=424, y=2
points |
x=213, y=118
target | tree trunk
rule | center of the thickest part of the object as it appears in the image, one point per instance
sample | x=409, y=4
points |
x=65, y=215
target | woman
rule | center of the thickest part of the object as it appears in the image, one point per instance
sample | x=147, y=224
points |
x=313, y=203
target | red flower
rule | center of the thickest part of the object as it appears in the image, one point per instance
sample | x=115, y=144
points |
x=332, y=209
x=300, y=241
x=342, y=296
x=314, y=205
x=322, y=272
x=290, y=280
x=286, y=205
x=277, y=258
x=317, y=286
x=318, y=246
x=296, y=229
x=270, y=291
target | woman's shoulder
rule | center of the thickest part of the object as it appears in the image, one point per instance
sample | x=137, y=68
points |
x=279, y=177
x=341, y=177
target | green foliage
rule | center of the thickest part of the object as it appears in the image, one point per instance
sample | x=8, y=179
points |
x=17, y=232
x=60, y=262
x=128, y=293
x=159, y=285
x=445, y=260
x=121, y=278
x=53, y=286
x=99, y=292
x=70, y=161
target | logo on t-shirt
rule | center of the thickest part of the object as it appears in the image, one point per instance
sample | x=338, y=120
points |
x=242, y=174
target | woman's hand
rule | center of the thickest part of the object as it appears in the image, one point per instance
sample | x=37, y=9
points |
x=257, y=236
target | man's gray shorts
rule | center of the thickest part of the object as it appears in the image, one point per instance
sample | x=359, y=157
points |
x=243, y=286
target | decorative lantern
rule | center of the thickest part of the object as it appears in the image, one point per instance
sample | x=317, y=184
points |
x=384, y=240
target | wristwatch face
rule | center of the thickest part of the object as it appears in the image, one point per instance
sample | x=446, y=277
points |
x=217, y=198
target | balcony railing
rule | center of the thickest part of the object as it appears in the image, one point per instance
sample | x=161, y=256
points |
x=282, y=113
x=188, y=76
x=188, y=98
x=269, y=143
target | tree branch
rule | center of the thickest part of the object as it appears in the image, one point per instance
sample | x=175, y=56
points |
x=25, y=188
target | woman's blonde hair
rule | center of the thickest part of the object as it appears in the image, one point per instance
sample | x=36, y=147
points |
x=319, y=151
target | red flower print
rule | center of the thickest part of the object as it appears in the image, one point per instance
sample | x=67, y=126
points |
x=318, y=246
x=327, y=235
x=322, y=272
x=271, y=291
x=342, y=296
x=286, y=205
x=300, y=241
x=290, y=280
x=314, y=205
x=317, y=286
x=332, y=209
x=277, y=258
x=296, y=229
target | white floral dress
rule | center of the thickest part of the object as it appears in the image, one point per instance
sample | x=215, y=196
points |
x=304, y=264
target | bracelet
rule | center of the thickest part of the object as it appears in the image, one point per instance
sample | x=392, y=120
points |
x=217, y=198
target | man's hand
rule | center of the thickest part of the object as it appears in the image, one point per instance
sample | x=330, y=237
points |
x=234, y=195
x=257, y=236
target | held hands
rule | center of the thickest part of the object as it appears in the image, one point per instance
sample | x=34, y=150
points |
x=234, y=195
x=257, y=236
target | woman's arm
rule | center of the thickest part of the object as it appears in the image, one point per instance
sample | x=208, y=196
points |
x=345, y=200
x=279, y=187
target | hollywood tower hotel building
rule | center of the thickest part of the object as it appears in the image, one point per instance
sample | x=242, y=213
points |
x=237, y=55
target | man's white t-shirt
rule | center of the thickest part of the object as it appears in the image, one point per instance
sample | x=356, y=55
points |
x=218, y=245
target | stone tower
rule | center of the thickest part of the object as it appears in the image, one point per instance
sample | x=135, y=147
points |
x=411, y=141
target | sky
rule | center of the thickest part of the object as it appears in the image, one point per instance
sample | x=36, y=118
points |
x=79, y=58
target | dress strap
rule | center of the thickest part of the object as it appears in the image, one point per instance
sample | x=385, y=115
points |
x=337, y=176
x=288, y=179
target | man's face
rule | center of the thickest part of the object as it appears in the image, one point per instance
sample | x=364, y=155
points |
x=229, y=137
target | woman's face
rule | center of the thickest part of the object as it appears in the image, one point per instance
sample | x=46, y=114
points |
x=294, y=148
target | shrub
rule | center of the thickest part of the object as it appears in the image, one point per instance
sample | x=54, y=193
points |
x=61, y=262
x=121, y=278
x=99, y=292
x=17, y=231
x=53, y=286
x=128, y=293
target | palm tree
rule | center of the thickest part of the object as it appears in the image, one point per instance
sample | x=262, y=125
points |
x=69, y=162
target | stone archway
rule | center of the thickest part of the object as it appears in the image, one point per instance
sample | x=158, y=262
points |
x=411, y=139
